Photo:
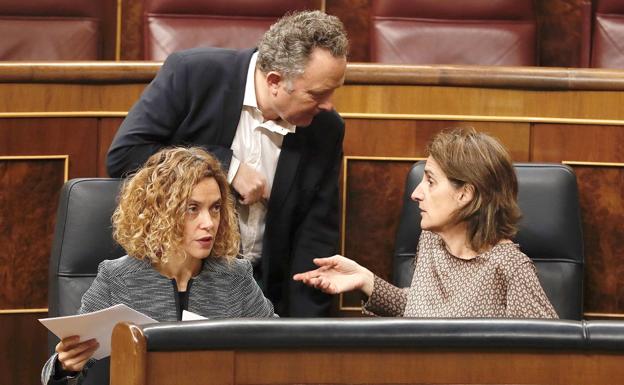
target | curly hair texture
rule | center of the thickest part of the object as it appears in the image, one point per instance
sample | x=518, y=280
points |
x=468, y=157
x=287, y=45
x=149, y=219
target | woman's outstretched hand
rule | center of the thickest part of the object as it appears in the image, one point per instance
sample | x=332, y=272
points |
x=73, y=354
x=336, y=275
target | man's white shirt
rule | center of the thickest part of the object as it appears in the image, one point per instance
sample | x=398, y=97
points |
x=258, y=144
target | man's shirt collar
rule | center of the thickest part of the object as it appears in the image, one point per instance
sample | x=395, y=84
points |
x=250, y=100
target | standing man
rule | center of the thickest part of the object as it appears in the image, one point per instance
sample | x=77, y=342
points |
x=267, y=115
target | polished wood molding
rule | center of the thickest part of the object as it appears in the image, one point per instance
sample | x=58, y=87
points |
x=23, y=311
x=78, y=72
x=487, y=76
x=541, y=78
x=128, y=352
x=609, y=316
x=64, y=114
x=64, y=158
x=592, y=164
x=481, y=118
x=118, y=31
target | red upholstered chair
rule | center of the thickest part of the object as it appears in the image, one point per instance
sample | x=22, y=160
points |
x=50, y=30
x=607, y=49
x=173, y=25
x=485, y=32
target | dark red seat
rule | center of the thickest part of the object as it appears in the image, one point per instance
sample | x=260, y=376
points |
x=50, y=30
x=173, y=25
x=607, y=49
x=485, y=32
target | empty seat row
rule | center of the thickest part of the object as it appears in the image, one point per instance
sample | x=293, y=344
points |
x=480, y=32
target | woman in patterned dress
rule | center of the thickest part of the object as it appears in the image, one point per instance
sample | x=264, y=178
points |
x=466, y=264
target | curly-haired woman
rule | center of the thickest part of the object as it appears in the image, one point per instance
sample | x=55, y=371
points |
x=177, y=222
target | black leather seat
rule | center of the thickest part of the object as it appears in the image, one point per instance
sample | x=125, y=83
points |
x=550, y=232
x=82, y=239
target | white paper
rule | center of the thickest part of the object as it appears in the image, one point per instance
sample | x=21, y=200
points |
x=190, y=316
x=98, y=325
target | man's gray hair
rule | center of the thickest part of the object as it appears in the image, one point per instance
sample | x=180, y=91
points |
x=287, y=45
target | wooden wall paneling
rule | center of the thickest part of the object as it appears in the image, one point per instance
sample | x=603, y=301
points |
x=75, y=137
x=409, y=137
x=378, y=366
x=219, y=365
x=28, y=202
x=131, y=39
x=560, y=32
x=427, y=366
x=108, y=28
x=472, y=103
x=588, y=143
x=24, y=348
x=106, y=132
x=601, y=190
x=374, y=197
x=67, y=100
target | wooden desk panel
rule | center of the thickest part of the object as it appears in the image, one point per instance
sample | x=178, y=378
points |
x=433, y=352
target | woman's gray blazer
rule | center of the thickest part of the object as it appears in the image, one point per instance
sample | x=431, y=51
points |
x=221, y=290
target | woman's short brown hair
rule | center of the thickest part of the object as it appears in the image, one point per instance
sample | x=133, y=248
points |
x=468, y=157
x=149, y=219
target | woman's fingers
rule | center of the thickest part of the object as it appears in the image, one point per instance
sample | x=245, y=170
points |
x=327, y=262
x=77, y=362
x=322, y=284
x=310, y=274
x=304, y=276
x=76, y=354
x=67, y=344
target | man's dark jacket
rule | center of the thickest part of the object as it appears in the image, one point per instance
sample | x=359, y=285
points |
x=196, y=99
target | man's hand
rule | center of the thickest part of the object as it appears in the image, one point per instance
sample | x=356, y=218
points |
x=250, y=185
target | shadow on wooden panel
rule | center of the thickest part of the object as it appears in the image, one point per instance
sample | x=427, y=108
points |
x=600, y=191
x=28, y=201
x=374, y=197
x=355, y=15
x=24, y=348
x=560, y=27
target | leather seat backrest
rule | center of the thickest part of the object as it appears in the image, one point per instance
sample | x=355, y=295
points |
x=550, y=232
x=483, y=32
x=82, y=239
x=173, y=25
x=607, y=50
x=50, y=30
